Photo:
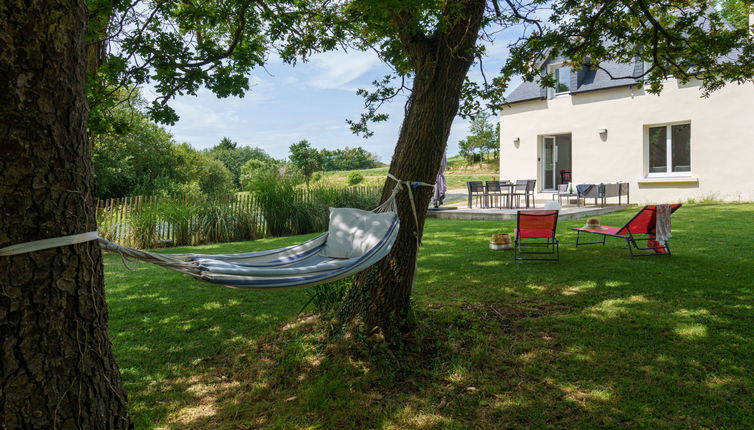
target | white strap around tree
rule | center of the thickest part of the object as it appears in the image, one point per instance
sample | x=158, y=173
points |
x=38, y=245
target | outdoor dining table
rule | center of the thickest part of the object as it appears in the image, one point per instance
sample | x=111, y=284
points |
x=486, y=195
x=510, y=186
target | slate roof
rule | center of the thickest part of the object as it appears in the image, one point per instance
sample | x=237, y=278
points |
x=582, y=81
x=585, y=80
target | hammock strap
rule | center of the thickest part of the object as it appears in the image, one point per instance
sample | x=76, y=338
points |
x=38, y=245
x=410, y=185
x=175, y=262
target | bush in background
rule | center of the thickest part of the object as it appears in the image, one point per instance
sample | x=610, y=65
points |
x=285, y=211
x=355, y=178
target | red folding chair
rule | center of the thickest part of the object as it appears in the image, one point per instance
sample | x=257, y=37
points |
x=639, y=228
x=536, y=230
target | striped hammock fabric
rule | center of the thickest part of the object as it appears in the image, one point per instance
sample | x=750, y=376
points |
x=295, y=266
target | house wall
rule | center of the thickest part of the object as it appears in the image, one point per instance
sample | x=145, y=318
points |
x=722, y=139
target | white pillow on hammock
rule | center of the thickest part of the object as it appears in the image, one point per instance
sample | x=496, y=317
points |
x=353, y=232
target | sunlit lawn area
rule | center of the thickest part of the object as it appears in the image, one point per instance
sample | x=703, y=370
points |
x=455, y=179
x=599, y=340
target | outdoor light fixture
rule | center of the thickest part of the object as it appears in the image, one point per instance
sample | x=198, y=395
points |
x=602, y=131
x=516, y=140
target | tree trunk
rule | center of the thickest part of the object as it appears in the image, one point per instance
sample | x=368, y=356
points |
x=57, y=368
x=441, y=67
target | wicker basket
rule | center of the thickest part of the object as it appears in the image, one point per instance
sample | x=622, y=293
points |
x=501, y=241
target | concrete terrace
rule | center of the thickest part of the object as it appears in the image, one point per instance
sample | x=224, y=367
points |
x=567, y=212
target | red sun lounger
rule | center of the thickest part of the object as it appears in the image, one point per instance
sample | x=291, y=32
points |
x=640, y=228
x=536, y=230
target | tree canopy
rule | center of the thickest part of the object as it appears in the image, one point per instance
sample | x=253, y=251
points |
x=483, y=138
x=305, y=158
x=233, y=157
x=178, y=47
x=143, y=159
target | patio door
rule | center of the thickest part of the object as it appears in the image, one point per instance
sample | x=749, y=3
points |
x=549, y=163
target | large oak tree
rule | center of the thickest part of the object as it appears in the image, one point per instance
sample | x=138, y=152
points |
x=57, y=368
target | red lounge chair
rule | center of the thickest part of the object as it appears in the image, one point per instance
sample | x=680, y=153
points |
x=640, y=228
x=536, y=225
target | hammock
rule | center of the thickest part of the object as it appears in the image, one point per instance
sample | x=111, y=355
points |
x=295, y=266
x=355, y=241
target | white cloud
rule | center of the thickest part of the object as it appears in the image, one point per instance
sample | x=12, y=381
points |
x=336, y=70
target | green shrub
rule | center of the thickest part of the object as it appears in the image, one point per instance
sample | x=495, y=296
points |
x=283, y=206
x=214, y=220
x=355, y=178
x=143, y=222
x=180, y=213
x=244, y=226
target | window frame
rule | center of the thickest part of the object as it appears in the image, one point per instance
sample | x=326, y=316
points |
x=552, y=68
x=668, y=151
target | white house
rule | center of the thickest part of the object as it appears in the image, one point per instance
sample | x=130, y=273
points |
x=670, y=147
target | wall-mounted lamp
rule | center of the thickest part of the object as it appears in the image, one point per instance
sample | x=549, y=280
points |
x=602, y=131
x=516, y=140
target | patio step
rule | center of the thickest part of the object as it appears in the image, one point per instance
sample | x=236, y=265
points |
x=566, y=213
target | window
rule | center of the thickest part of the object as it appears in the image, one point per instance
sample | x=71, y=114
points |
x=562, y=75
x=669, y=149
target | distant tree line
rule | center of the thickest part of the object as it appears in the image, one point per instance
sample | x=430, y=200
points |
x=348, y=159
x=309, y=160
x=135, y=156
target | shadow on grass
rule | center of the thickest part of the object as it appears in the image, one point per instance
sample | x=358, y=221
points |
x=598, y=340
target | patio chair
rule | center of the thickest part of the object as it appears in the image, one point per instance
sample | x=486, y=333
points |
x=494, y=190
x=639, y=228
x=476, y=189
x=563, y=192
x=531, y=228
x=525, y=188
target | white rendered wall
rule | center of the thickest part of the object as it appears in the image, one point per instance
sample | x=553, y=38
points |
x=722, y=139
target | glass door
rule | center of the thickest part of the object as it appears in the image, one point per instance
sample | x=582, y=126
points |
x=549, y=161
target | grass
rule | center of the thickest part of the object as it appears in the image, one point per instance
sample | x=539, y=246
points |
x=456, y=176
x=599, y=340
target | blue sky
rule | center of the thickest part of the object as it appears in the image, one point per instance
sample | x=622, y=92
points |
x=309, y=101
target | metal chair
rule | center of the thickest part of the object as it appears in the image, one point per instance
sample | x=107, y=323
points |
x=476, y=189
x=536, y=225
x=519, y=190
x=531, y=184
x=494, y=190
x=563, y=192
x=525, y=188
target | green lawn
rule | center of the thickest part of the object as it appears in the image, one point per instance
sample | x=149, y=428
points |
x=455, y=178
x=599, y=340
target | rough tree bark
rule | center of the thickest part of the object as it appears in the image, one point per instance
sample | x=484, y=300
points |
x=441, y=64
x=57, y=369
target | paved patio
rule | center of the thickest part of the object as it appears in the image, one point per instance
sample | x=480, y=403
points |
x=458, y=199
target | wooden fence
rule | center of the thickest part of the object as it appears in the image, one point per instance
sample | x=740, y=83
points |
x=181, y=220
